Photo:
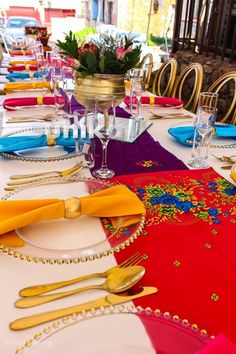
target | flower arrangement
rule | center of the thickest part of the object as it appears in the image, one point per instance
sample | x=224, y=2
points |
x=31, y=30
x=42, y=32
x=106, y=55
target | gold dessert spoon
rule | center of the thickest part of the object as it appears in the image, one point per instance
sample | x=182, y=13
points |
x=116, y=282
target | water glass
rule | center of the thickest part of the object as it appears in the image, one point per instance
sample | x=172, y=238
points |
x=209, y=99
x=134, y=74
x=84, y=123
x=138, y=89
x=204, y=127
x=68, y=87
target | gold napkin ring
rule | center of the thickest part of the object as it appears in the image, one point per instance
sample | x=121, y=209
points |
x=51, y=140
x=39, y=100
x=31, y=75
x=152, y=100
x=72, y=208
x=27, y=67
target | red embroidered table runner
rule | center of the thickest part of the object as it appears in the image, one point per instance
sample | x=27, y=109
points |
x=190, y=241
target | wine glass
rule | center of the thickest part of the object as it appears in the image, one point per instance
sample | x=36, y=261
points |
x=59, y=99
x=68, y=87
x=138, y=89
x=104, y=130
x=204, y=126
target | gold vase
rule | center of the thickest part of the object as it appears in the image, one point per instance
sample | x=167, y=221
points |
x=87, y=88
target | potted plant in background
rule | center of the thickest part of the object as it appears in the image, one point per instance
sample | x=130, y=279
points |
x=99, y=65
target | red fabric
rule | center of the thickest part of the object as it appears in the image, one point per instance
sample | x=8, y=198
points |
x=159, y=101
x=20, y=52
x=21, y=68
x=191, y=254
x=27, y=101
x=220, y=345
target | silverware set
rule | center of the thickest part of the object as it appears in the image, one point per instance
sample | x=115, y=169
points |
x=231, y=160
x=118, y=280
x=20, y=180
x=170, y=116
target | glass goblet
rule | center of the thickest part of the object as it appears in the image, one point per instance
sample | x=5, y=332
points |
x=68, y=87
x=138, y=89
x=104, y=130
x=59, y=99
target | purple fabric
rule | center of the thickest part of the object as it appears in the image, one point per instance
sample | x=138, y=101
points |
x=144, y=155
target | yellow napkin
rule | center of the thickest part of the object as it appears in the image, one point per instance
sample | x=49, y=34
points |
x=25, y=86
x=233, y=176
x=22, y=62
x=111, y=202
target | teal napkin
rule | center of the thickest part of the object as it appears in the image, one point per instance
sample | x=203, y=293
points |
x=13, y=76
x=184, y=133
x=16, y=143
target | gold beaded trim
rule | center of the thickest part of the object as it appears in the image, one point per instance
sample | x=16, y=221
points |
x=217, y=146
x=35, y=159
x=75, y=318
x=11, y=252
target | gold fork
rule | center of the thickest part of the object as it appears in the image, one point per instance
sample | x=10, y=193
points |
x=45, y=176
x=44, y=288
x=61, y=173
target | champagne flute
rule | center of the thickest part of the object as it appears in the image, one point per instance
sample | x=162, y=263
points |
x=104, y=130
x=59, y=99
x=138, y=89
x=68, y=87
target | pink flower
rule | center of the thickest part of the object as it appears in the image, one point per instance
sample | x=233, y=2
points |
x=120, y=53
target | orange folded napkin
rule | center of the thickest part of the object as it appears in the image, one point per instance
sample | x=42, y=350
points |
x=22, y=62
x=25, y=86
x=111, y=203
x=26, y=67
x=233, y=176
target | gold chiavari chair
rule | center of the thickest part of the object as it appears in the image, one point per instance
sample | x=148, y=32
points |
x=143, y=65
x=218, y=85
x=167, y=74
x=190, y=103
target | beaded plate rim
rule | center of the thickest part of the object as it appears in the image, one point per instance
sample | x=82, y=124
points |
x=46, y=260
x=35, y=159
x=62, y=323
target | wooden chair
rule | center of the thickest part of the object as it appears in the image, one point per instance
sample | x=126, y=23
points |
x=218, y=85
x=143, y=65
x=177, y=92
x=166, y=73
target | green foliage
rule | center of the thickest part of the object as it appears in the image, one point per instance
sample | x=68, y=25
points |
x=157, y=40
x=82, y=35
x=69, y=45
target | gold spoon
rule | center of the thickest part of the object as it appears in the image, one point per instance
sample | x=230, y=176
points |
x=34, y=290
x=116, y=282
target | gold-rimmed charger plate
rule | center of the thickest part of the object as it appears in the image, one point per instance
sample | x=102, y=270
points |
x=217, y=142
x=40, y=154
x=69, y=240
x=123, y=330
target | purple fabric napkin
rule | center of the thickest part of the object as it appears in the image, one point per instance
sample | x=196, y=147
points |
x=144, y=155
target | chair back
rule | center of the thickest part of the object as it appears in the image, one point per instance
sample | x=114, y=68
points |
x=167, y=74
x=190, y=103
x=143, y=65
x=218, y=85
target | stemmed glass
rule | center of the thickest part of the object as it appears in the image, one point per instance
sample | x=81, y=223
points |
x=138, y=76
x=138, y=89
x=68, y=87
x=104, y=130
x=59, y=99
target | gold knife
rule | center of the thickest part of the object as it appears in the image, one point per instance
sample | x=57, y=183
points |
x=111, y=299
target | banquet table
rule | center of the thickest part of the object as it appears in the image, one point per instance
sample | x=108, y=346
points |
x=167, y=246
